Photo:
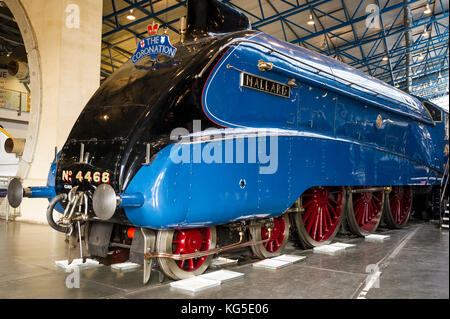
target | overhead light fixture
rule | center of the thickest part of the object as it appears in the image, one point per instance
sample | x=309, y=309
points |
x=427, y=9
x=310, y=21
x=420, y=57
x=385, y=58
x=131, y=15
x=425, y=33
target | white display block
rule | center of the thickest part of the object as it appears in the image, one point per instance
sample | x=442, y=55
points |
x=126, y=266
x=376, y=237
x=271, y=264
x=90, y=263
x=289, y=258
x=222, y=275
x=328, y=250
x=343, y=245
x=221, y=262
x=194, y=284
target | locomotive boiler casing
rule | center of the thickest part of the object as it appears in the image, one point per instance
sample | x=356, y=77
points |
x=327, y=136
x=336, y=127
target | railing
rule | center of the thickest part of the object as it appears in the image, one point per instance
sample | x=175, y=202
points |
x=444, y=181
x=443, y=208
x=14, y=100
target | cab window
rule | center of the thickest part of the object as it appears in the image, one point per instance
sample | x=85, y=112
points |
x=435, y=112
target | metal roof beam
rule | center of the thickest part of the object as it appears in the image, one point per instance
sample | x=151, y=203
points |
x=379, y=35
x=400, y=52
x=287, y=13
x=151, y=16
x=362, y=18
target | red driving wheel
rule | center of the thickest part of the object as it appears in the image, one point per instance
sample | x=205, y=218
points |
x=320, y=217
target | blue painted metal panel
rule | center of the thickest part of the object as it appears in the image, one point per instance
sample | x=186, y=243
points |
x=325, y=105
x=198, y=194
x=304, y=65
x=325, y=137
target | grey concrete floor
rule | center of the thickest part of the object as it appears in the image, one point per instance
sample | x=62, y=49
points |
x=414, y=263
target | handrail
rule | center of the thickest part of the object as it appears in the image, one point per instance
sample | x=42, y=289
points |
x=444, y=177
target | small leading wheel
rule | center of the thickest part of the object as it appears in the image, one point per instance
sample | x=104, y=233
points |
x=364, y=211
x=320, y=215
x=398, y=207
x=185, y=241
x=278, y=237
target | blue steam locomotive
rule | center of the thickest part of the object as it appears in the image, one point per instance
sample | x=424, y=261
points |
x=238, y=140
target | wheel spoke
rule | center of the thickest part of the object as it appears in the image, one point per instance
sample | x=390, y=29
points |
x=321, y=222
x=333, y=211
x=329, y=221
x=307, y=203
x=334, y=201
x=316, y=224
x=308, y=214
x=191, y=264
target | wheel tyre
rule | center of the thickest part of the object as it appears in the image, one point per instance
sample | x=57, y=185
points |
x=301, y=235
x=400, y=202
x=164, y=244
x=282, y=235
x=352, y=222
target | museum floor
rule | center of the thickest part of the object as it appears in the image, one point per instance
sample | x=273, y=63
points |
x=414, y=263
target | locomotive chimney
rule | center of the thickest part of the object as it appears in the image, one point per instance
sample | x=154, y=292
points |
x=205, y=16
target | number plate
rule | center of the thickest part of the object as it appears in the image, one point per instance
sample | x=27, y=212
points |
x=79, y=176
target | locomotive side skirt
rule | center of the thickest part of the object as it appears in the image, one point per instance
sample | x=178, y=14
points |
x=186, y=195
